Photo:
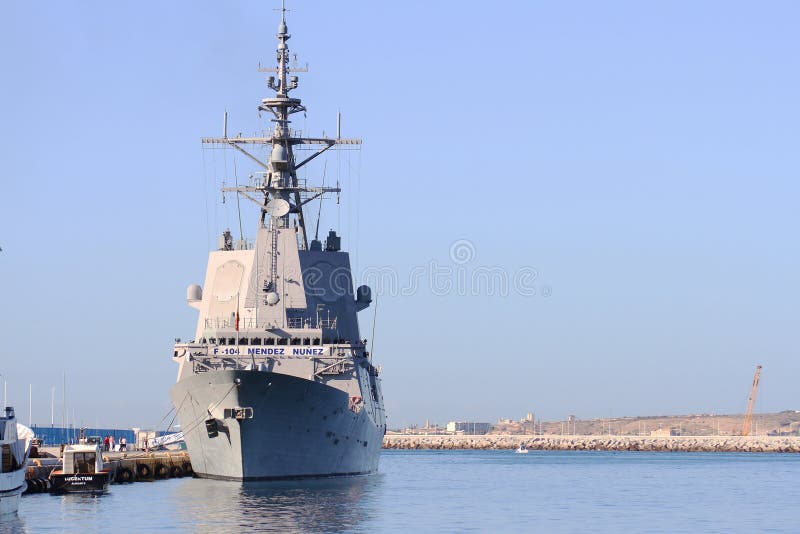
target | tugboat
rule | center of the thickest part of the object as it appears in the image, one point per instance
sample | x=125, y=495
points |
x=15, y=442
x=82, y=471
x=277, y=382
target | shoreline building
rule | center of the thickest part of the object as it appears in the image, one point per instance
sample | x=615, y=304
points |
x=468, y=427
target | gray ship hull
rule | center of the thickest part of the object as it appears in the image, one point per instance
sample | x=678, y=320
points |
x=299, y=428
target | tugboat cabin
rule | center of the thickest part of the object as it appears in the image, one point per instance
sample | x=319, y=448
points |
x=82, y=459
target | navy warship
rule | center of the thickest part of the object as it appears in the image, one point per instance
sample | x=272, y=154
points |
x=277, y=383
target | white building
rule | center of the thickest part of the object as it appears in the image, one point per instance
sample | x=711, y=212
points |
x=467, y=427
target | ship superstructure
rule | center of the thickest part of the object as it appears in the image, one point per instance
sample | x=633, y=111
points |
x=277, y=382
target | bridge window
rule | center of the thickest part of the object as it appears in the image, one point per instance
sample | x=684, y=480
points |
x=242, y=341
x=295, y=341
x=255, y=341
x=84, y=462
x=222, y=341
x=231, y=341
x=316, y=341
x=307, y=341
x=269, y=341
x=283, y=341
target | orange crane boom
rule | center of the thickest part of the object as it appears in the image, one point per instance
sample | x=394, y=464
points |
x=748, y=416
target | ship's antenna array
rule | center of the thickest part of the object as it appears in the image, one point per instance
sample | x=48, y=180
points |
x=319, y=211
x=238, y=203
x=280, y=180
x=374, y=322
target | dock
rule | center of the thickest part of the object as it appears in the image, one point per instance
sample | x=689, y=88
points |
x=128, y=467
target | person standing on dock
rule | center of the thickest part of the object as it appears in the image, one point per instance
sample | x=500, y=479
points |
x=123, y=444
x=105, y=443
x=111, y=443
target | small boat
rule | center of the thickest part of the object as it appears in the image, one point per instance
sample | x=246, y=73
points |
x=82, y=471
x=15, y=440
x=521, y=449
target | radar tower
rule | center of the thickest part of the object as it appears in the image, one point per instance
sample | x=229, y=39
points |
x=280, y=182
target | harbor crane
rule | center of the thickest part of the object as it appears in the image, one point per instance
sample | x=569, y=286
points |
x=748, y=416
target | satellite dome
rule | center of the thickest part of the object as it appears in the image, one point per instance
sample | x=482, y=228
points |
x=194, y=293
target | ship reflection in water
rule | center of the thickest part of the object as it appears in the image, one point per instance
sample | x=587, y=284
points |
x=327, y=505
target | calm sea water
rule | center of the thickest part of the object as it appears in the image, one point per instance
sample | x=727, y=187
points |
x=487, y=491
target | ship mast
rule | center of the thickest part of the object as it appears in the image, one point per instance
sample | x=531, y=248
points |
x=281, y=194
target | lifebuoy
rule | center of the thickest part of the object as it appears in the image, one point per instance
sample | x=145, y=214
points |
x=143, y=471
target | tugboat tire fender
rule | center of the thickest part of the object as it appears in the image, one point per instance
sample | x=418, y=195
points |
x=143, y=471
x=161, y=470
x=124, y=475
x=175, y=471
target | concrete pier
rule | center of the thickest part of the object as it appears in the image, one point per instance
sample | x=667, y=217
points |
x=127, y=466
x=139, y=466
x=597, y=443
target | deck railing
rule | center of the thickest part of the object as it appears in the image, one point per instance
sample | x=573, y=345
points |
x=251, y=323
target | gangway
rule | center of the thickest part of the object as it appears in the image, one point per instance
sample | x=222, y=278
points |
x=163, y=441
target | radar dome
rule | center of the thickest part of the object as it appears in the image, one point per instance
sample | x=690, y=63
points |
x=279, y=158
x=364, y=294
x=194, y=293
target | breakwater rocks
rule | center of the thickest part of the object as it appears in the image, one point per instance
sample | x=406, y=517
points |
x=597, y=443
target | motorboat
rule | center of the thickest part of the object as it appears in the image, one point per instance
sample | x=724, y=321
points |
x=82, y=471
x=15, y=440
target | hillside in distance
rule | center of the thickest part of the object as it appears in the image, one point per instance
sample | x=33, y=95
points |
x=785, y=423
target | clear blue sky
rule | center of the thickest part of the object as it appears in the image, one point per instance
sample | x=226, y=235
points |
x=642, y=157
